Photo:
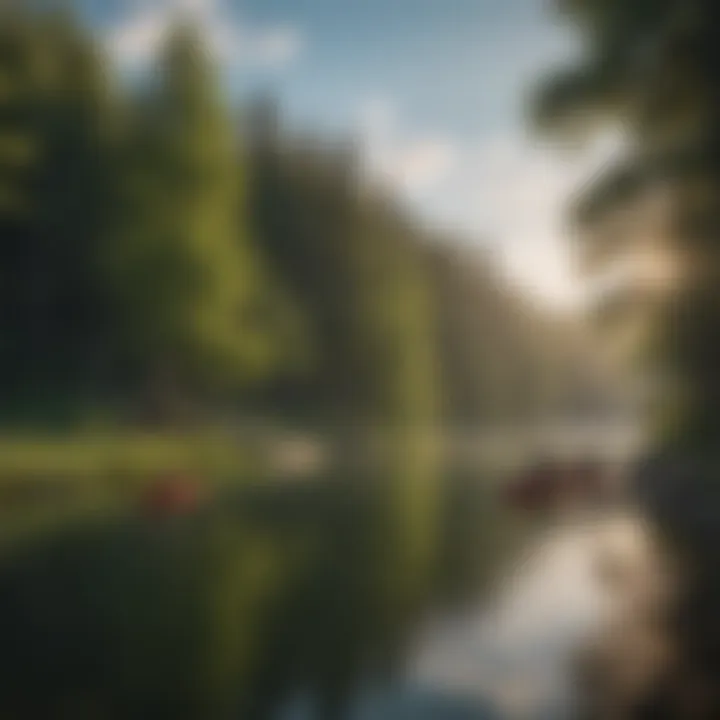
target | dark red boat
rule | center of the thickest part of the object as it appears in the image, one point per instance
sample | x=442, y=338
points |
x=550, y=484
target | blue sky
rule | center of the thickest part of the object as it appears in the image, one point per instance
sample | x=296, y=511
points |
x=435, y=90
x=452, y=64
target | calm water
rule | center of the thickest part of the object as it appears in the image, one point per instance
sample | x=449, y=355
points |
x=369, y=597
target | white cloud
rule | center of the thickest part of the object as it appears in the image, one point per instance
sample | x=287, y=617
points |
x=515, y=194
x=377, y=117
x=136, y=41
x=414, y=163
x=275, y=46
x=419, y=165
x=502, y=189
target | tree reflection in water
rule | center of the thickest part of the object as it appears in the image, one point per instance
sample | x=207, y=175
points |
x=270, y=592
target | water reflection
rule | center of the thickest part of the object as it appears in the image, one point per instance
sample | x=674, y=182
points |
x=267, y=593
x=519, y=650
x=361, y=594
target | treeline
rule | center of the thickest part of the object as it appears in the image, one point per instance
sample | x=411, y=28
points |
x=165, y=256
x=128, y=268
x=503, y=359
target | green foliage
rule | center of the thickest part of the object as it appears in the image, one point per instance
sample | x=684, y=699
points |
x=183, y=264
x=353, y=266
x=651, y=68
x=161, y=260
x=54, y=185
x=146, y=266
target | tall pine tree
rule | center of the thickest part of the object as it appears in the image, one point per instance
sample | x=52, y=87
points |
x=54, y=200
x=184, y=268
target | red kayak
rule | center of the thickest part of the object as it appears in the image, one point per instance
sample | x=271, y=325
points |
x=173, y=494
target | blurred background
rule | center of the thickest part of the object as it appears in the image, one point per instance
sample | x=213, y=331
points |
x=328, y=332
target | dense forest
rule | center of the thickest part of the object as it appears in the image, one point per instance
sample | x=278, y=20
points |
x=168, y=256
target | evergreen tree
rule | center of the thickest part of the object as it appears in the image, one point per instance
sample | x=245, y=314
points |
x=353, y=266
x=54, y=201
x=650, y=67
x=185, y=270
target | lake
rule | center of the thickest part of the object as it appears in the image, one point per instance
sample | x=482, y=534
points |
x=369, y=595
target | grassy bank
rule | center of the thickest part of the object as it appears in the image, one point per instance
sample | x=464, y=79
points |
x=48, y=481
x=130, y=454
